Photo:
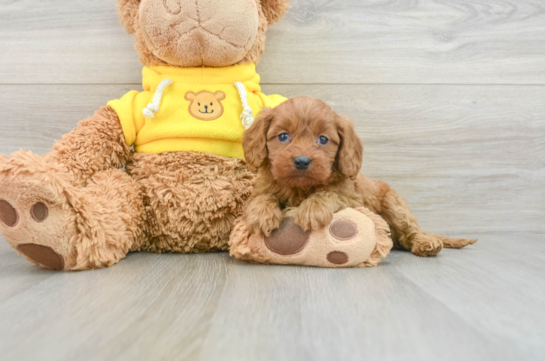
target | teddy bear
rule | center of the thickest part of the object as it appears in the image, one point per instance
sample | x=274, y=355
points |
x=179, y=141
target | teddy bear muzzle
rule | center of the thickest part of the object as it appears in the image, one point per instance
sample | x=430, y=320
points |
x=199, y=32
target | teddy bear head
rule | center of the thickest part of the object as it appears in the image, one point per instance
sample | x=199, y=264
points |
x=193, y=33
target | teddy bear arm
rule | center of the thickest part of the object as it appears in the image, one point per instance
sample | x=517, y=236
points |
x=95, y=145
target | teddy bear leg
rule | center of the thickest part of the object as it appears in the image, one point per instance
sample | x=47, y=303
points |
x=355, y=238
x=65, y=226
x=192, y=199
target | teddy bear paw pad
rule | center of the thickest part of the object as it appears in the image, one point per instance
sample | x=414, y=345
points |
x=288, y=239
x=43, y=255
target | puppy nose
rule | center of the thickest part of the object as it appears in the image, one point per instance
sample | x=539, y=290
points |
x=302, y=162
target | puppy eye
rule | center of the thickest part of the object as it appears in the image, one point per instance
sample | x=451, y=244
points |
x=199, y=104
x=211, y=103
x=284, y=137
x=323, y=140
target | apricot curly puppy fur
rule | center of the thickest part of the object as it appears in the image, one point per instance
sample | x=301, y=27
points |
x=309, y=157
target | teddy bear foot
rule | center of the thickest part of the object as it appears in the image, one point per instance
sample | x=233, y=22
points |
x=355, y=238
x=36, y=216
x=33, y=221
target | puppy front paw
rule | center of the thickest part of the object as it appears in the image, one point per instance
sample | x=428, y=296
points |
x=312, y=218
x=264, y=226
x=264, y=220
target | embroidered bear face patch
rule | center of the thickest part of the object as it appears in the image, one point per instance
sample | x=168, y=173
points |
x=205, y=105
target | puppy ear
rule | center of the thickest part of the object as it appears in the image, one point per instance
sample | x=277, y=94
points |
x=350, y=154
x=274, y=10
x=127, y=11
x=190, y=96
x=255, y=139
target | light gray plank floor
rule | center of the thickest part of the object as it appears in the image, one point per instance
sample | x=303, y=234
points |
x=481, y=303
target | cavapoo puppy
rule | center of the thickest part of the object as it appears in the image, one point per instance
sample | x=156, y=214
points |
x=308, y=160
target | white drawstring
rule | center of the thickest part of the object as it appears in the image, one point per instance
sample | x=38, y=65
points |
x=153, y=107
x=247, y=115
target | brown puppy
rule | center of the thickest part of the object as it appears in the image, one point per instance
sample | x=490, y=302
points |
x=309, y=157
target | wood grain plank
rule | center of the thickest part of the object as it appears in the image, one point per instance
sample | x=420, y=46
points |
x=498, y=288
x=479, y=303
x=147, y=307
x=469, y=159
x=289, y=313
x=320, y=41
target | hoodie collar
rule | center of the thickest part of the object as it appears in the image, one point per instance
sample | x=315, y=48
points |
x=245, y=73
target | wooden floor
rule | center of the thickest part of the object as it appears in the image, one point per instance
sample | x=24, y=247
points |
x=449, y=99
x=482, y=303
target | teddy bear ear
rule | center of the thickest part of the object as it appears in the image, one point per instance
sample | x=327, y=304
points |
x=127, y=11
x=219, y=96
x=274, y=10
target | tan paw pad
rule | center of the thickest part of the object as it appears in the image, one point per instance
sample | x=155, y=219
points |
x=343, y=229
x=8, y=214
x=39, y=212
x=288, y=239
x=45, y=256
x=337, y=257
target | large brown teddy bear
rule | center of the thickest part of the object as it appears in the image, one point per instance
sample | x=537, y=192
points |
x=186, y=180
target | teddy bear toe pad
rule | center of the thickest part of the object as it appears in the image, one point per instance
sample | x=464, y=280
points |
x=343, y=229
x=39, y=212
x=337, y=257
x=8, y=214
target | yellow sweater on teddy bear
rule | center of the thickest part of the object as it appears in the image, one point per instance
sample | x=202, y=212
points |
x=192, y=109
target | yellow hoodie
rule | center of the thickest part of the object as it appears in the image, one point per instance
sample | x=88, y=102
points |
x=192, y=109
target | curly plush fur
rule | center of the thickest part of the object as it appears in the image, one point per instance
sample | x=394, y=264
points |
x=191, y=199
x=331, y=182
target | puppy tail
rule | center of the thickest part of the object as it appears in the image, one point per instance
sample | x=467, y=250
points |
x=456, y=242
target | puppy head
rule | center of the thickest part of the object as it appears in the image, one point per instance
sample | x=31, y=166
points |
x=303, y=142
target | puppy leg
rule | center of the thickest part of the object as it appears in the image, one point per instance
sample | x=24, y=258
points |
x=404, y=226
x=407, y=232
x=316, y=212
x=263, y=214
